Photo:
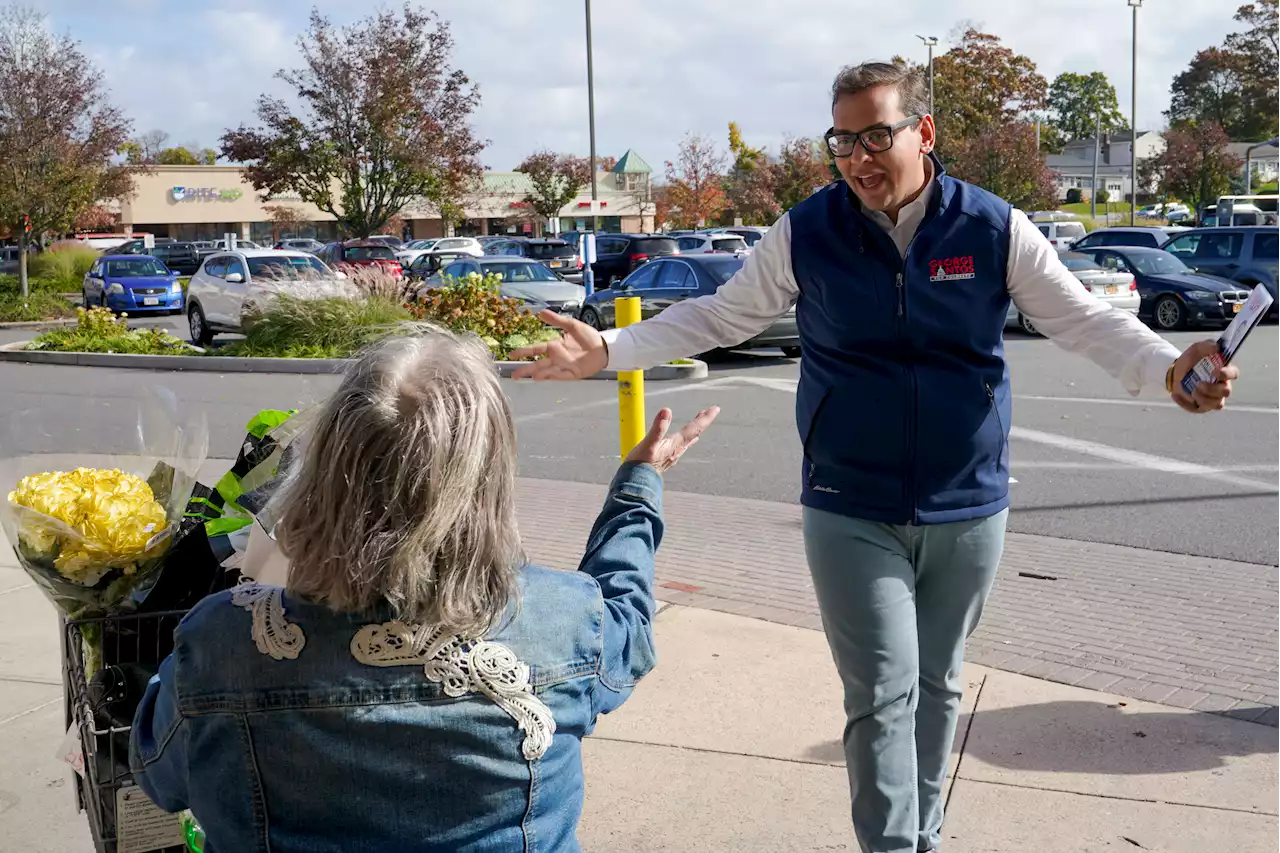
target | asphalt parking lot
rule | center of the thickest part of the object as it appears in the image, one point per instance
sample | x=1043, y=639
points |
x=1089, y=462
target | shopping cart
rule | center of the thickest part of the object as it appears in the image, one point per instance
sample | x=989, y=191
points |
x=100, y=708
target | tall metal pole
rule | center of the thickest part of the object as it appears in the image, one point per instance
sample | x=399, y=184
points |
x=930, y=42
x=1133, y=122
x=1093, y=183
x=591, y=117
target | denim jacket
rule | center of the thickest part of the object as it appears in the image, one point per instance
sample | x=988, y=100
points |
x=284, y=726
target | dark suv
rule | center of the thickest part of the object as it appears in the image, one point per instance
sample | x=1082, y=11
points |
x=1246, y=254
x=182, y=258
x=556, y=255
x=619, y=255
x=1150, y=236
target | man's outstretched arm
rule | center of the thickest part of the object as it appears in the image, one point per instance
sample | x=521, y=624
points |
x=1057, y=303
x=740, y=309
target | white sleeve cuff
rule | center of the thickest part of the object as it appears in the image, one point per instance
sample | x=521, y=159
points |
x=622, y=349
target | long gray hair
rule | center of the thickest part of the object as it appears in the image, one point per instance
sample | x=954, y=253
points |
x=405, y=491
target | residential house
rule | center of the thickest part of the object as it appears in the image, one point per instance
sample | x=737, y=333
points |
x=1263, y=160
x=1073, y=168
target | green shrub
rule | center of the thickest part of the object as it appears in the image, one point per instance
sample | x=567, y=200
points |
x=37, y=306
x=475, y=305
x=9, y=286
x=330, y=327
x=63, y=265
x=1102, y=196
x=98, y=330
x=1074, y=196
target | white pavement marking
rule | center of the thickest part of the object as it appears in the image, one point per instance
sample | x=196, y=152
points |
x=613, y=400
x=1109, y=401
x=1137, y=459
x=1127, y=458
x=1108, y=466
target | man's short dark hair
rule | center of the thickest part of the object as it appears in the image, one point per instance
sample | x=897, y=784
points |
x=913, y=95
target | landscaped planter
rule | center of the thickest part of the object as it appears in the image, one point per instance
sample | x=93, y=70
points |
x=18, y=352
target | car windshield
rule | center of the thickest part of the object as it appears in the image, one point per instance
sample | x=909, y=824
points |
x=1078, y=264
x=1156, y=263
x=288, y=268
x=135, y=267
x=545, y=251
x=520, y=272
x=368, y=253
x=655, y=246
x=729, y=244
x=1070, y=229
x=722, y=269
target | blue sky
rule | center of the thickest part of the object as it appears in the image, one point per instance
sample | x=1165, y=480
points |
x=662, y=67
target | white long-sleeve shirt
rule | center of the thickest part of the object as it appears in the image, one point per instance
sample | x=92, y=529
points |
x=1041, y=287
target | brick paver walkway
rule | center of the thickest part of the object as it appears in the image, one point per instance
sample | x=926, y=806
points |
x=1185, y=631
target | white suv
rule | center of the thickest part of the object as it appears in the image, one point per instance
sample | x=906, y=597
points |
x=716, y=241
x=229, y=282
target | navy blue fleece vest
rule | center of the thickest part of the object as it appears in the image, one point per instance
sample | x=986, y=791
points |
x=904, y=402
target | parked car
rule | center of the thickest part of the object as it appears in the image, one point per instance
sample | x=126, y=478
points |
x=221, y=244
x=486, y=239
x=407, y=252
x=751, y=233
x=230, y=283
x=1246, y=255
x=529, y=281
x=300, y=244
x=665, y=281
x=715, y=241
x=619, y=255
x=360, y=253
x=1163, y=211
x=1062, y=234
x=135, y=284
x=1151, y=236
x=1117, y=289
x=180, y=256
x=469, y=245
x=9, y=259
x=427, y=264
x=556, y=255
x=388, y=240
x=1173, y=296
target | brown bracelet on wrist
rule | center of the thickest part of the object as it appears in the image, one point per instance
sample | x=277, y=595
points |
x=1168, y=378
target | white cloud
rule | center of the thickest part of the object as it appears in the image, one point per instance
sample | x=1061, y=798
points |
x=662, y=67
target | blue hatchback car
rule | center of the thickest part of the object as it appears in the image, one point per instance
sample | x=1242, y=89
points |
x=132, y=283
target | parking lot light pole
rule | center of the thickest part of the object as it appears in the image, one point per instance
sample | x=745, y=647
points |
x=591, y=119
x=1133, y=121
x=930, y=42
x=1248, y=162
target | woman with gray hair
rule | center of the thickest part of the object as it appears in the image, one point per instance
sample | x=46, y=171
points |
x=416, y=685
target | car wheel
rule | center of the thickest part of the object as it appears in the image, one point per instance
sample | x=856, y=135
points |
x=592, y=318
x=1170, y=315
x=201, y=335
x=791, y=352
x=1025, y=324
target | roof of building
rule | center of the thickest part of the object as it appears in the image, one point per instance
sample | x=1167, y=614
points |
x=1071, y=163
x=631, y=162
x=1265, y=152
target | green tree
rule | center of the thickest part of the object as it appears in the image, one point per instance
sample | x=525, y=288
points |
x=1259, y=54
x=1079, y=101
x=1005, y=160
x=59, y=135
x=1195, y=165
x=1234, y=85
x=187, y=155
x=748, y=184
x=802, y=167
x=556, y=180
x=979, y=84
x=384, y=119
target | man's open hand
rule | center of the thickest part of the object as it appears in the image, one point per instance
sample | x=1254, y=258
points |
x=1208, y=396
x=663, y=451
x=580, y=353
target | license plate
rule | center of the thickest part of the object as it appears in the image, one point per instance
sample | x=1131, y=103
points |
x=150, y=300
x=1235, y=309
x=1111, y=290
x=557, y=263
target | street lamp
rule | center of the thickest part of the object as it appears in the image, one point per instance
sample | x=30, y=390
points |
x=591, y=118
x=1248, y=162
x=1133, y=120
x=930, y=42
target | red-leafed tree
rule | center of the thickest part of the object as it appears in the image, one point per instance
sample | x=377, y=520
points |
x=1195, y=165
x=980, y=83
x=58, y=133
x=749, y=184
x=384, y=117
x=99, y=217
x=1006, y=161
x=802, y=167
x=695, y=183
x=556, y=180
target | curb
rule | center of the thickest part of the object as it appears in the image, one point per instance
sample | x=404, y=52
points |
x=37, y=325
x=15, y=353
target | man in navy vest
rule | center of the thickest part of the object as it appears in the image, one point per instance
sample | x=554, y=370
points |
x=901, y=278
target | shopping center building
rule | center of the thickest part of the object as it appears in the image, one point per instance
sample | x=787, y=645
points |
x=206, y=202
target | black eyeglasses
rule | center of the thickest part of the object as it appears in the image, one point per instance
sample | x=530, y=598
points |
x=874, y=139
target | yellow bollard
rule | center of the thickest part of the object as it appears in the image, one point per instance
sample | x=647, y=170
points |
x=631, y=424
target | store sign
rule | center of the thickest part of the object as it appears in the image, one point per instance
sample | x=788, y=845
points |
x=204, y=194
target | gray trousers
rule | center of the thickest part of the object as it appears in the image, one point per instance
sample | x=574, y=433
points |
x=897, y=603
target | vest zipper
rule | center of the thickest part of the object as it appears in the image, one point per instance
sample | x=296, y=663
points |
x=902, y=308
x=991, y=396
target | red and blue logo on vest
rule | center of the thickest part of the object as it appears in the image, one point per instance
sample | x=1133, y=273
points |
x=951, y=269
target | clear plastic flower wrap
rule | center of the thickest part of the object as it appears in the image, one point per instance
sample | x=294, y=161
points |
x=92, y=505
